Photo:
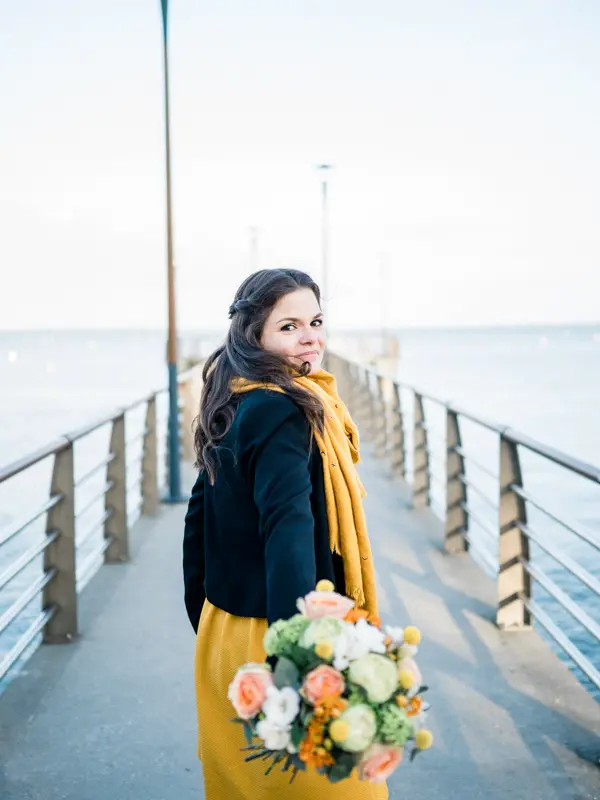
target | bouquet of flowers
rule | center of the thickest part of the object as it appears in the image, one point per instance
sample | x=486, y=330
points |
x=344, y=693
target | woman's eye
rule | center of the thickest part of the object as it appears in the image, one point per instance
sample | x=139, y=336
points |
x=288, y=327
x=317, y=323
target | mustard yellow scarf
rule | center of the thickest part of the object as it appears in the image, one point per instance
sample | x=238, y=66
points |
x=339, y=448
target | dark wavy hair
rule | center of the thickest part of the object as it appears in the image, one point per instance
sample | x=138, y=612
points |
x=243, y=356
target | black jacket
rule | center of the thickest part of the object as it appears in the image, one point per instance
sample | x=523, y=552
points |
x=258, y=539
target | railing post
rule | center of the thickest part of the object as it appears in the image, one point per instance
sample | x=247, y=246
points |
x=380, y=425
x=116, y=527
x=188, y=414
x=60, y=555
x=353, y=391
x=364, y=404
x=150, y=461
x=421, y=478
x=397, y=447
x=514, y=582
x=457, y=518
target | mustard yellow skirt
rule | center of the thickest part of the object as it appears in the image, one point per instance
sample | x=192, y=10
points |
x=223, y=644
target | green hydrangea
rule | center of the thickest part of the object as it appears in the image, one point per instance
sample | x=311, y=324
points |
x=284, y=633
x=394, y=726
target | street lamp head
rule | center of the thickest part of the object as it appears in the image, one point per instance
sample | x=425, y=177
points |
x=325, y=166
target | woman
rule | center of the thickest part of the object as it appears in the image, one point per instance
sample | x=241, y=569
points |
x=277, y=506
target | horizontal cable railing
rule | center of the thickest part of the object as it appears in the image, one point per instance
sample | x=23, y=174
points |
x=72, y=551
x=500, y=543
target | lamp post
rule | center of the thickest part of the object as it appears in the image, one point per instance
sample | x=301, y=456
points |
x=174, y=489
x=253, y=248
x=323, y=169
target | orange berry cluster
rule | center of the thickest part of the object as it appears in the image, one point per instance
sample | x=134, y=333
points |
x=312, y=750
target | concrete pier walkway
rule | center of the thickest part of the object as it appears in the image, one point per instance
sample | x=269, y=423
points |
x=112, y=715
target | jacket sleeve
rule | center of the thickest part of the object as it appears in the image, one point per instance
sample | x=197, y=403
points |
x=282, y=492
x=193, y=553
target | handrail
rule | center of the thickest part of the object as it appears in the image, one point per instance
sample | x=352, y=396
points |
x=51, y=449
x=552, y=454
x=62, y=541
x=584, y=535
x=503, y=545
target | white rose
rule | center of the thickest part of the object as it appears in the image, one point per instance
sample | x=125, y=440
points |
x=362, y=725
x=281, y=706
x=396, y=635
x=274, y=736
x=370, y=636
x=355, y=642
x=377, y=674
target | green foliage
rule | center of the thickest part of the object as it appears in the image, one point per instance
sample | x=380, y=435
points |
x=286, y=674
x=393, y=725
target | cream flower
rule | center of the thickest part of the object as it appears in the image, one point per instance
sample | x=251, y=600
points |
x=324, y=629
x=377, y=674
x=362, y=725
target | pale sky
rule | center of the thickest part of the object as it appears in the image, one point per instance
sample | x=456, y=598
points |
x=465, y=138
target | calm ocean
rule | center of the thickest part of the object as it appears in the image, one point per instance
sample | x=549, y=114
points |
x=543, y=381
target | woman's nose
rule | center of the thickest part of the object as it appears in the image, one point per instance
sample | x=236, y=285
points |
x=308, y=336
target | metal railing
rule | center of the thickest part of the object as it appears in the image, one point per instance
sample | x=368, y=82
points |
x=65, y=572
x=504, y=545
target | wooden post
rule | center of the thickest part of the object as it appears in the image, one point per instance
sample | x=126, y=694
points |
x=116, y=526
x=187, y=417
x=513, y=579
x=421, y=478
x=380, y=423
x=60, y=555
x=457, y=518
x=150, y=461
x=398, y=448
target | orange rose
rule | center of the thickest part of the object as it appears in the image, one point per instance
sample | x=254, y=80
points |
x=325, y=604
x=322, y=682
x=248, y=690
x=378, y=762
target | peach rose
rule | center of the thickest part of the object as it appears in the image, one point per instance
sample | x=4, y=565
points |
x=248, y=690
x=409, y=665
x=325, y=604
x=378, y=762
x=324, y=681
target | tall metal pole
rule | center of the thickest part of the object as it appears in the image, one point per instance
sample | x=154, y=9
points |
x=174, y=495
x=324, y=238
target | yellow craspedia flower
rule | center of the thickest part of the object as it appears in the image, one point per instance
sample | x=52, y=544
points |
x=412, y=635
x=339, y=730
x=328, y=744
x=401, y=701
x=423, y=739
x=325, y=586
x=324, y=649
x=405, y=679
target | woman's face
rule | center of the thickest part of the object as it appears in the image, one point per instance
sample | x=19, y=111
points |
x=295, y=329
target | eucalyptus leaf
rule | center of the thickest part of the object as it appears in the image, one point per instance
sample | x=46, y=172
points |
x=248, y=732
x=286, y=673
x=339, y=772
x=256, y=755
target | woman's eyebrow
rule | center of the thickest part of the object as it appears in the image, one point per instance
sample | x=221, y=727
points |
x=295, y=319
